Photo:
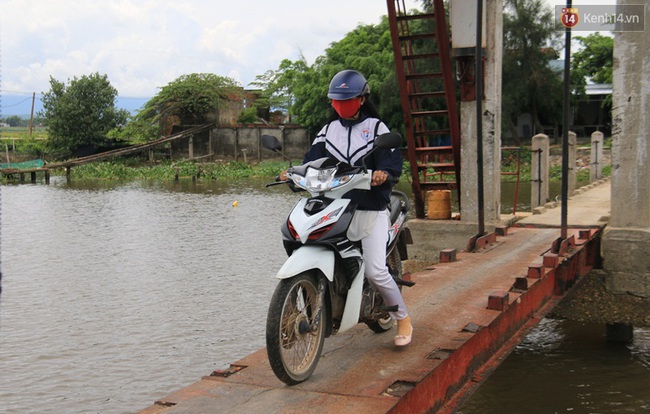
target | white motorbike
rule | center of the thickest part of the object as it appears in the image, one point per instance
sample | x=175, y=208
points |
x=322, y=288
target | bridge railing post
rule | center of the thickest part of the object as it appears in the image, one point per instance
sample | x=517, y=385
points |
x=596, y=163
x=539, y=170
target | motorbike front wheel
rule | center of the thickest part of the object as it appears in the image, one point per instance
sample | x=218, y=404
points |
x=294, y=338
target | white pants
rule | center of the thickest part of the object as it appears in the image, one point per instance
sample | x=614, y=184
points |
x=371, y=227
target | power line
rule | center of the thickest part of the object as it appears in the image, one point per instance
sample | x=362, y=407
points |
x=16, y=104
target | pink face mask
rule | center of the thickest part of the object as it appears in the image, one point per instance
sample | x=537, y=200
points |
x=347, y=108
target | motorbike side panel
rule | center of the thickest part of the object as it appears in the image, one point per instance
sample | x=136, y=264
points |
x=318, y=257
x=353, y=302
x=307, y=258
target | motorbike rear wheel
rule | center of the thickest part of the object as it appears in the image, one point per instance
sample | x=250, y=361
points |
x=293, y=341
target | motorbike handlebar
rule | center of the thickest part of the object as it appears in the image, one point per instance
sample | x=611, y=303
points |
x=277, y=182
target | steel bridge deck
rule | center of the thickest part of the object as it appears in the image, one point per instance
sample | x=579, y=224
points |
x=468, y=314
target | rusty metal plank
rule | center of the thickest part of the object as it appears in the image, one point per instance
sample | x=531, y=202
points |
x=456, y=342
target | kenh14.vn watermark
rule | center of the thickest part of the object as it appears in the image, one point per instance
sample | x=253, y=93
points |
x=593, y=18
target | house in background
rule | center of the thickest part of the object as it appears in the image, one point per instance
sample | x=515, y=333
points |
x=592, y=113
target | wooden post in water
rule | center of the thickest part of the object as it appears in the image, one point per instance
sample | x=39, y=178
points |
x=7, y=153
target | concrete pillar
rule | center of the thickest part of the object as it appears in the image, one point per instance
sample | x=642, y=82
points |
x=572, y=163
x=491, y=128
x=539, y=170
x=626, y=241
x=596, y=157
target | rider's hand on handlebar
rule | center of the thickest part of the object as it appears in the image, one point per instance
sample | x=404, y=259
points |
x=283, y=176
x=379, y=177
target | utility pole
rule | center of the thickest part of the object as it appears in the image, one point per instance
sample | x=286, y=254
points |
x=31, y=118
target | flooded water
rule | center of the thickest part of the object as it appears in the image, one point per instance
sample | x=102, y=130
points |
x=569, y=367
x=115, y=294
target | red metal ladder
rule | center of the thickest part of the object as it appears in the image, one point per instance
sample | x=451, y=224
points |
x=428, y=97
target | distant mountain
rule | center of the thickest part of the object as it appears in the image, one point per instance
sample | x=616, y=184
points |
x=21, y=104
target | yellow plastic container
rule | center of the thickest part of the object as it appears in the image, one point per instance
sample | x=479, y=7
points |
x=439, y=205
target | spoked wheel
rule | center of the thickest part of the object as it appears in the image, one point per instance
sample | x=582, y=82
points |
x=293, y=341
x=385, y=323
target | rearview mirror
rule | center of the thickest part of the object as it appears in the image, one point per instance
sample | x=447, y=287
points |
x=388, y=140
x=271, y=143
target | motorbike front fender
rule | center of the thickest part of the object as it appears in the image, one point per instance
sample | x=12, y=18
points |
x=308, y=258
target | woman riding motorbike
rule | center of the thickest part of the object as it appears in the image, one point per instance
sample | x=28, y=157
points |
x=348, y=136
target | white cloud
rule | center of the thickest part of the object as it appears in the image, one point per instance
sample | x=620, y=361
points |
x=143, y=45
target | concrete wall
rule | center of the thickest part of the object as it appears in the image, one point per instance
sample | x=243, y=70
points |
x=232, y=142
x=491, y=122
x=242, y=143
x=626, y=241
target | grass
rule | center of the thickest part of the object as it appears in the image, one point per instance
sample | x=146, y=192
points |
x=22, y=133
x=555, y=171
x=121, y=170
x=17, y=140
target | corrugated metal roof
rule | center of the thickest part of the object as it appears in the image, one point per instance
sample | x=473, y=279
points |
x=598, y=89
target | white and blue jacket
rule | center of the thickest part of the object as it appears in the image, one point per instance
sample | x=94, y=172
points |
x=349, y=141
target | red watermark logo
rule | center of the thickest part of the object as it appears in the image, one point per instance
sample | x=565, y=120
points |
x=569, y=17
x=595, y=18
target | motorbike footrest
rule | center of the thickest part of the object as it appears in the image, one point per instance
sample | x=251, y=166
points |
x=393, y=308
x=407, y=283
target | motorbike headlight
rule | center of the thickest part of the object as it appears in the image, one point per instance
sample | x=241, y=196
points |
x=340, y=180
x=319, y=180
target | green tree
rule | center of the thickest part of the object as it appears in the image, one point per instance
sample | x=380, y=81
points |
x=80, y=113
x=530, y=85
x=367, y=49
x=15, y=120
x=594, y=61
x=596, y=58
x=278, y=85
x=192, y=98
